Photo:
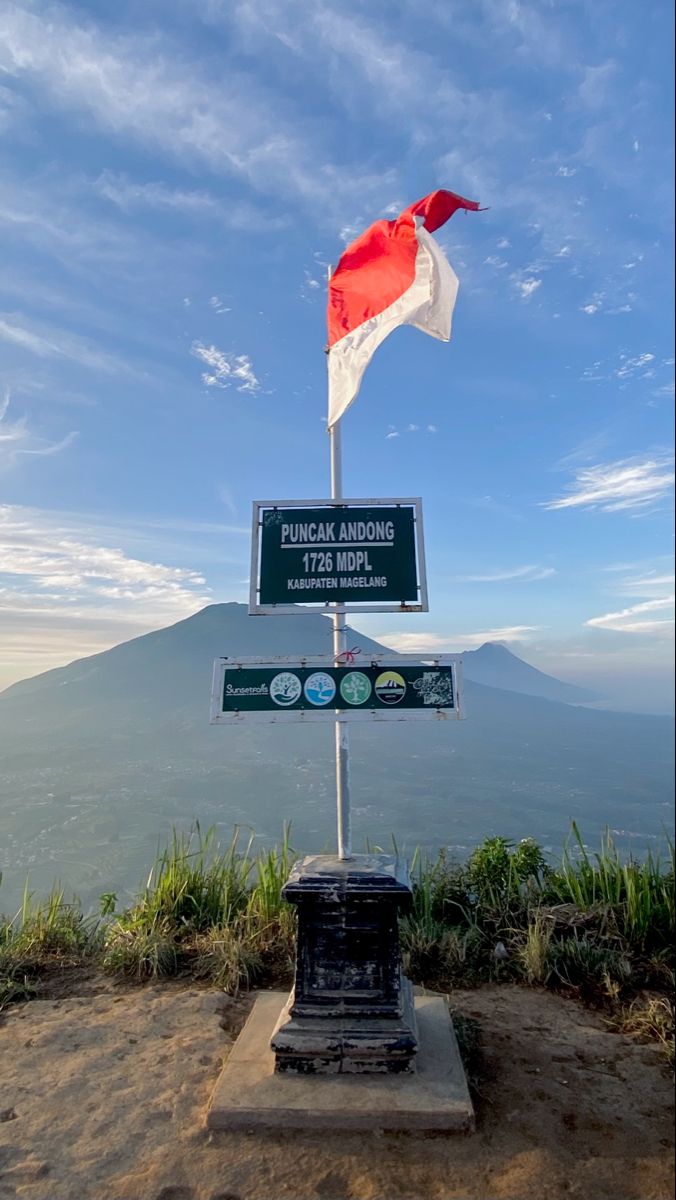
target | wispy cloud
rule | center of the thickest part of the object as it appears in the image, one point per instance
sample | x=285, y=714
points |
x=226, y=370
x=142, y=87
x=80, y=595
x=16, y=438
x=630, y=484
x=638, y=365
x=419, y=643
x=51, y=342
x=631, y=620
x=529, y=574
x=129, y=194
x=650, y=584
x=393, y=432
x=219, y=306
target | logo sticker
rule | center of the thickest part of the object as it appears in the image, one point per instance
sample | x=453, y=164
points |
x=355, y=687
x=435, y=689
x=319, y=688
x=285, y=689
x=390, y=687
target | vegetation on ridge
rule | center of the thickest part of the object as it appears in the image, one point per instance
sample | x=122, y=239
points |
x=595, y=926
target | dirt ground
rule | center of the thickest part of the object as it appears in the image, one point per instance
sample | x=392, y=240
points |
x=103, y=1097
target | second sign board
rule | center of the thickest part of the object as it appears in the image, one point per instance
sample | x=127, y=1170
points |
x=366, y=689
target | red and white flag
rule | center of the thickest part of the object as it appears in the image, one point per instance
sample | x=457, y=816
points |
x=393, y=274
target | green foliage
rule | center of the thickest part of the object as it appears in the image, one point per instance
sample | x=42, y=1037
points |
x=581, y=963
x=499, y=873
x=42, y=936
x=141, y=951
x=443, y=956
x=195, y=884
x=635, y=898
x=440, y=889
x=596, y=924
x=48, y=931
x=217, y=912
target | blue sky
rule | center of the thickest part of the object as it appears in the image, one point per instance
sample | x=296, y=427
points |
x=176, y=177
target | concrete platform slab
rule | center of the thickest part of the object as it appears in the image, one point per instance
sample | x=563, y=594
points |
x=434, y=1097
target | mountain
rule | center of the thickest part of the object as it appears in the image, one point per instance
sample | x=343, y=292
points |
x=100, y=758
x=496, y=666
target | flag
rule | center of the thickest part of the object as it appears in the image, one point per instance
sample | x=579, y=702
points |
x=393, y=274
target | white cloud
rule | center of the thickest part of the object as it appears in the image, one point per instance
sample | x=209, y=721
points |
x=16, y=439
x=392, y=434
x=50, y=342
x=593, y=90
x=567, y=172
x=625, y=620
x=526, y=287
x=632, y=366
x=629, y=484
x=226, y=370
x=421, y=643
x=129, y=194
x=654, y=584
x=529, y=574
x=141, y=86
x=218, y=305
x=61, y=589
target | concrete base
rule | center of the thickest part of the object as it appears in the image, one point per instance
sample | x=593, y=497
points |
x=434, y=1097
x=349, y=1044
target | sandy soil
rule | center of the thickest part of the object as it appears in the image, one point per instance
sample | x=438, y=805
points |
x=103, y=1097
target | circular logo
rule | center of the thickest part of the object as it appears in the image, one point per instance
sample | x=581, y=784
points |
x=390, y=687
x=319, y=688
x=355, y=687
x=285, y=689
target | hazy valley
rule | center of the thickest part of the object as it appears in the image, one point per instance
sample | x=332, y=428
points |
x=99, y=759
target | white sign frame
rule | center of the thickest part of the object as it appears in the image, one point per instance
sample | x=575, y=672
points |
x=261, y=610
x=309, y=717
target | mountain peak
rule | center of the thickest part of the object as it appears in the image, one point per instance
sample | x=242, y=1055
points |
x=493, y=663
x=497, y=649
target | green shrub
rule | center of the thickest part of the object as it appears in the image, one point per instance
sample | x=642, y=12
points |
x=634, y=899
x=578, y=962
x=46, y=932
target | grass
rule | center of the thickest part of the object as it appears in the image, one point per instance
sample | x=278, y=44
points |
x=594, y=925
x=217, y=912
x=41, y=937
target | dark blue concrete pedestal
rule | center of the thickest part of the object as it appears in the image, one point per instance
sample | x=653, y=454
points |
x=351, y=1009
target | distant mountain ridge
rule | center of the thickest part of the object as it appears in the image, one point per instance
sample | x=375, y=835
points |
x=100, y=758
x=496, y=666
x=491, y=664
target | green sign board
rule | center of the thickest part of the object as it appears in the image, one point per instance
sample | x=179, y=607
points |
x=285, y=688
x=346, y=553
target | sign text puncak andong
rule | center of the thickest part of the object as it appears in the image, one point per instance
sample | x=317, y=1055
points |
x=349, y=552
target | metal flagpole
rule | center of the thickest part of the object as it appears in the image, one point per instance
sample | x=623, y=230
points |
x=339, y=647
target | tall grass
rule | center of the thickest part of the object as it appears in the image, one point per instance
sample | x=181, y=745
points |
x=218, y=911
x=42, y=936
x=53, y=929
x=637, y=898
x=595, y=924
